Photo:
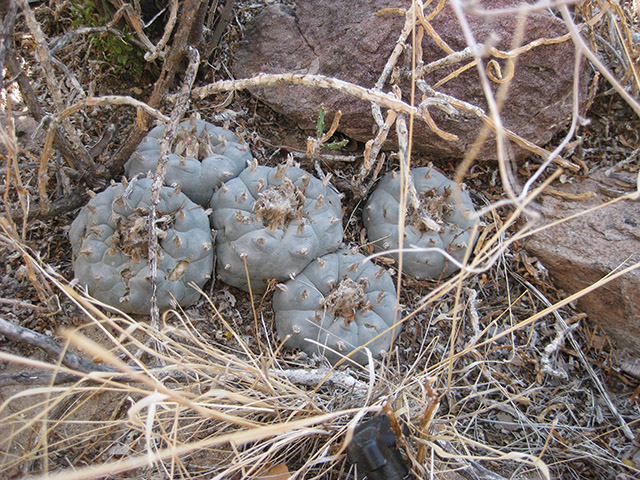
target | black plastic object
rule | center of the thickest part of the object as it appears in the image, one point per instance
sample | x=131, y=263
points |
x=373, y=450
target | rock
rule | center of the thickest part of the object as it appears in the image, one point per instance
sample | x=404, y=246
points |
x=582, y=250
x=320, y=38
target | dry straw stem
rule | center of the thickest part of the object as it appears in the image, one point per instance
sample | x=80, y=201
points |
x=203, y=365
x=580, y=43
x=237, y=438
x=215, y=383
x=564, y=330
x=496, y=101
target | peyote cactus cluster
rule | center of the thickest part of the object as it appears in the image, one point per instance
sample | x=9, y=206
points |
x=109, y=238
x=274, y=220
x=203, y=156
x=433, y=220
x=271, y=223
x=341, y=302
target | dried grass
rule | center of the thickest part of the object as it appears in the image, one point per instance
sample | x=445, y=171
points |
x=493, y=375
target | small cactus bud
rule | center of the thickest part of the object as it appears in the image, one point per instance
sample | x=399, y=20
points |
x=96, y=230
x=280, y=170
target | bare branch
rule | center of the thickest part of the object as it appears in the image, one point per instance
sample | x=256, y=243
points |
x=51, y=347
x=8, y=13
x=158, y=179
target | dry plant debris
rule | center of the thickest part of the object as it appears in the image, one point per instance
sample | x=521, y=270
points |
x=494, y=374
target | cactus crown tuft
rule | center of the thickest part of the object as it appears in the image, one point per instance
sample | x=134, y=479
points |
x=432, y=210
x=347, y=298
x=278, y=205
x=191, y=144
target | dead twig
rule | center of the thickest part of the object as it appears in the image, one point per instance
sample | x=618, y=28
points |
x=602, y=68
x=318, y=81
x=54, y=349
x=33, y=104
x=158, y=180
x=45, y=60
x=386, y=100
x=226, y=14
x=8, y=13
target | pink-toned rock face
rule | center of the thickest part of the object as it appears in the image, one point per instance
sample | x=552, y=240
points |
x=352, y=43
x=581, y=251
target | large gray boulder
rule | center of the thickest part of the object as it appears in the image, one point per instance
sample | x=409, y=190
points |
x=352, y=43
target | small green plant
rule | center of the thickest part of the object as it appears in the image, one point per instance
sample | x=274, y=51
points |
x=321, y=139
x=115, y=52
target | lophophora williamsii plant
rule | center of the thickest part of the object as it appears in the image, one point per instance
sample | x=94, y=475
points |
x=110, y=243
x=435, y=220
x=203, y=156
x=338, y=303
x=271, y=223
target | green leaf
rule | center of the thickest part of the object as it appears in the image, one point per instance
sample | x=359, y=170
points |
x=335, y=145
